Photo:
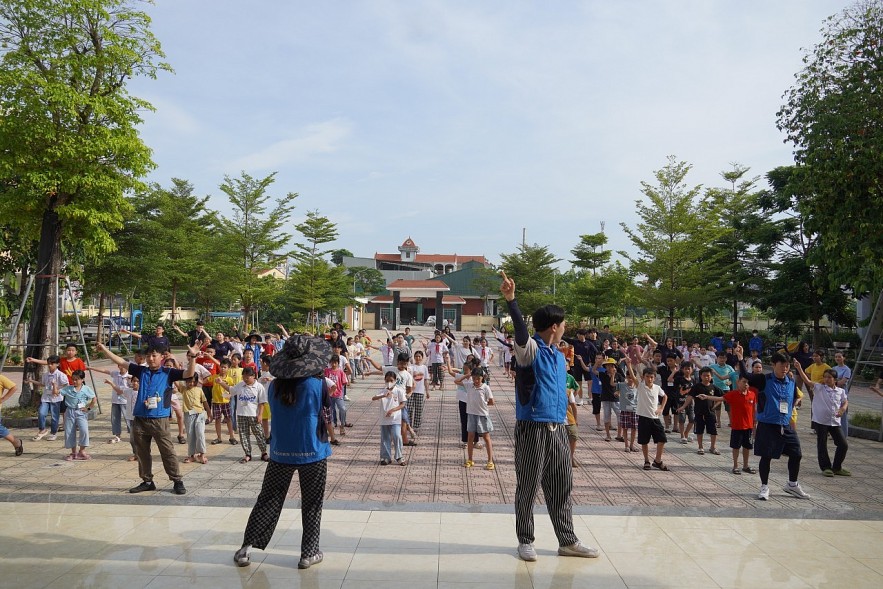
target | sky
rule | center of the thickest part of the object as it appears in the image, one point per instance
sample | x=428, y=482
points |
x=462, y=123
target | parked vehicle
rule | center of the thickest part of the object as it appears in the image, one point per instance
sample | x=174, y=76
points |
x=110, y=331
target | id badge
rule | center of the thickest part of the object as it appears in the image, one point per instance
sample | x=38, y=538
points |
x=81, y=406
x=783, y=407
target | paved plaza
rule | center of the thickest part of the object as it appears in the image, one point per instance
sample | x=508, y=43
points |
x=434, y=523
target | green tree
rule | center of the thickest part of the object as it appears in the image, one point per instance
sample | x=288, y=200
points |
x=590, y=253
x=486, y=282
x=69, y=145
x=367, y=281
x=834, y=117
x=531, y=267
x=316, y=285
x=800, y=289
x=606, y=294
x=338, y=255
x=677, y=224
x=255, y=239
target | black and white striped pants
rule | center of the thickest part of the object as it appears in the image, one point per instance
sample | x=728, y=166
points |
x=415, y=409
x=265, y=514
x=249, y=425
x=542, y=457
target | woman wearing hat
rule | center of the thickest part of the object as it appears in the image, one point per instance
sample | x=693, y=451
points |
x=298, y=398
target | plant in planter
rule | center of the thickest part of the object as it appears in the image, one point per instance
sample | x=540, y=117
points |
x=865, y=419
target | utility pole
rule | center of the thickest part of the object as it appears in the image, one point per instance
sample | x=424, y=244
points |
x=524, y=238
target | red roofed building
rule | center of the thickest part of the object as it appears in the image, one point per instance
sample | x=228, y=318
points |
x=410, y=258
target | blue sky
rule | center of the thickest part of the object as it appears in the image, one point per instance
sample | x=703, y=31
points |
x=460, y=123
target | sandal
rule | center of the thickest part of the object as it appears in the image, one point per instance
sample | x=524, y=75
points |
x=737, y=471
x=348, y=425
x=490, y=465
x=70, y=457
x=245, y=459
x=413, y=443
x=189, y=459
x=83, y=456
x=403, y=462
x=217, y=441
x=748, y=470
x=335, y=442
x=233, y=441
x=715, y=451
x=647, y=465
x=265, y=457
x=660, y=466
x=131, y=459
x=40, y=436
x=204, y=459
x=182, y=440
x=21, y=448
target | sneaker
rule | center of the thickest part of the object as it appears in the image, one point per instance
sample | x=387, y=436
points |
x=40, y=435
x=691, y=438
x=144, y=486
x=178, y=488
x=828, y=472
x=764, y=494
x=700, y=451
x=526, y=552
x=795, y=490
x=242, y=558
x=843, y=473
x=306, y=562
x=579, y=549
x=346, y=398
x=51, y=437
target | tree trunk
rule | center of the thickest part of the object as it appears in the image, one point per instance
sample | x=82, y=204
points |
x=99, y=334
x=44, y=312
x=701, y=321
x=174, y=301
x=735, y=318
x=671, y=319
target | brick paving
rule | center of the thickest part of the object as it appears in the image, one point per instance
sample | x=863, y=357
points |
x=609, y=481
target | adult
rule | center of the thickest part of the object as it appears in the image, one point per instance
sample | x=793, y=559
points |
x=542, y=452
x=194, y=334
x=223, y=347
x=157, y=340
x=774, y=435
x=755, y=343
x=151, y=412
x=7, y=389
x=298, y=397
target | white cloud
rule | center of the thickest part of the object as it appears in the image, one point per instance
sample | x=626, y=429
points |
x=170, y=119
x=321, y=138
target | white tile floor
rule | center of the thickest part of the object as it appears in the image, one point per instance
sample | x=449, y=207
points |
x=132, y=547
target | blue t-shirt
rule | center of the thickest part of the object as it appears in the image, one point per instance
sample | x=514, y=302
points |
x=596, y=380
x=154, y=383
x=755, y=343
x=73, y=397
x=295, y=438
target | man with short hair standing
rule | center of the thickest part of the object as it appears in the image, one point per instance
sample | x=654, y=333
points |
x=542, y=451
x=151, y=412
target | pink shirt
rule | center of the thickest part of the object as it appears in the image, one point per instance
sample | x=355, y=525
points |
x=337, y=376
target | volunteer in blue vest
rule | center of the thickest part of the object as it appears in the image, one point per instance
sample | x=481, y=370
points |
x=150, y=415
x=299, y=404
x=542, y=452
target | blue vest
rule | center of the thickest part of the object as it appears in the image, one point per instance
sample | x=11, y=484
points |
x=542, y=385
x=774, y=392
x=295, y=438
x=154, y=384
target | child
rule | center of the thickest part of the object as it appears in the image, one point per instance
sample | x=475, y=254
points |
x=478, y=398
x=651, y=400
x=251, y=397
x=628, y=402
x=598, y=372
x=610, y=400
x=572, y=425
x=704, y=408
x=128, y=391
x=221, y=404
x=354, y=351
x=265, y=379
x=50, y=401
x=7, y=389
x=78, y=400
x=338, y=404
x=176, y=403
x=438, y=356
x=195, y=410
x=406, y=381
x=419, y=395
x=683, y=382
x=743, y=401
x=459, y=379
x=392, y=401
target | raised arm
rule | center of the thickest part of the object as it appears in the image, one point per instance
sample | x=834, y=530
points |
x=132, y=333
x=111, y=356
x=178, y=329
x=803, y=377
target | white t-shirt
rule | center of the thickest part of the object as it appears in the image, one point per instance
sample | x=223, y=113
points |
x=405, y=380
x=123, y=381
x=436, y=351
x=459, y=352
x=58, y=377
x=356, y=350
x=248, y=397
x=484, y=354
x=648, y=400
x=477, y=398
x=394, y=398
x=420, y=374
x=201, y=373
x=131, y=396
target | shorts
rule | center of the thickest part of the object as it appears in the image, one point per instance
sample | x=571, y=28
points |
x=406, y=417
x=596, y=404
x=572, y=432
x=220, y=410
x=479, y=424
x=608, y=407
x=773, y=440
x=671, y=405
x=577, y=373
x=741, y=438
x=628, y=419
x=650, y=428
x=706, y=422
x=4, y=431
x=513, y=364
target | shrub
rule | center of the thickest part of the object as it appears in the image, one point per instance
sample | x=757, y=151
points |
x=865, y=419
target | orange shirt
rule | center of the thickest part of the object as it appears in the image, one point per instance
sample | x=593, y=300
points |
x=69, y=366
x=742, y=408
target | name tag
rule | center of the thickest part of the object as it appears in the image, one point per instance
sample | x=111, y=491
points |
x=783, y=407
x=81, y=405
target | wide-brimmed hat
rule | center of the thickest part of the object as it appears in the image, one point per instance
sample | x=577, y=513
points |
x=254, y=334
x=301, y=356
x=610, y=361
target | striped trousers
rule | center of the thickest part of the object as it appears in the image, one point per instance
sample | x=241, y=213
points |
x=415, y=409
x=542, y=457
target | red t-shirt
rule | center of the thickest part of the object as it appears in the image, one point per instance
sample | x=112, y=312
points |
x=742, y=408
x=69, y=366
x=208, y=365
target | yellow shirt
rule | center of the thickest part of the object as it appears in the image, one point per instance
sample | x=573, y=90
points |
x=235, y=374
x=816, y=372
x=192, y=399
x=798, y=394
x=5, y=385
x=217, y=390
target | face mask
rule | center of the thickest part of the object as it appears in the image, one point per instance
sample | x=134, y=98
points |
x=390, y=385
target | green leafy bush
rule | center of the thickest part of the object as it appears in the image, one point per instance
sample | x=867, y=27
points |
x=865, y=419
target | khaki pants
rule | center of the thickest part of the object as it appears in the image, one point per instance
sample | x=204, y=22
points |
x=143, y=431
